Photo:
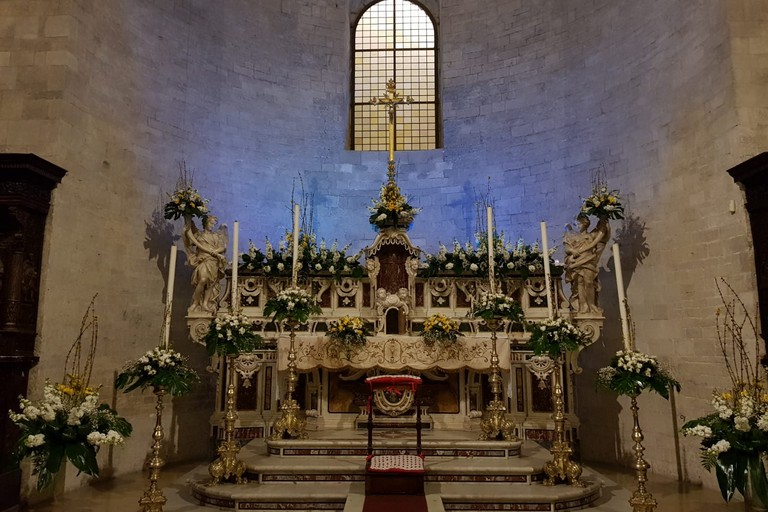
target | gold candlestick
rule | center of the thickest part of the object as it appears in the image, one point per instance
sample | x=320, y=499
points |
x=153, y=499
x=561, y=466
x=641, y=500
x=289, y=423
x=495, y=423
x=228, y=465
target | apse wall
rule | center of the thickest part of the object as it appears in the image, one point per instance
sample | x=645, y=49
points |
x=536, y=95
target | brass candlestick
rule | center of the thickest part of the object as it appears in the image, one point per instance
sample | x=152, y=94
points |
x=228, y=465
x=561, y=466
x=641, y=500
x=495, y=423
x=289, y=423
x=153, y=499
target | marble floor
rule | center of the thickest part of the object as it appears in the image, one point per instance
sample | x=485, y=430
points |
x=121, y=494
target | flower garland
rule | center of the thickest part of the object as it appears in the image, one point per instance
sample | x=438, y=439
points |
x=440, y=329
x=352, y=332
x=230, y=335
x=292, y=304
x=517, y=259
x=314, y=259
x=69, y=423
x=630, y=372
x=497, y=306
x=555, y=336
x=392, y=208
x=158, y=368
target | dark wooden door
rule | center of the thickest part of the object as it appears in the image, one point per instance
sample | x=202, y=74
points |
x=26, y=182
x=752, y=176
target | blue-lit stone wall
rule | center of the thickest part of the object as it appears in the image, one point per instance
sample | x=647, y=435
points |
x=250, y=95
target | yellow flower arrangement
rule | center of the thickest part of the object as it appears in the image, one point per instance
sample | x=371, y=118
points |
x=350, y=331
x=438, y=328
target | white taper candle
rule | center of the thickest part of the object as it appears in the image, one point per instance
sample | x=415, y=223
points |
x=235, y=258
x=491, y=259
x=295, y=273
x=627, y=339
x=547, y=273
x=169, y=298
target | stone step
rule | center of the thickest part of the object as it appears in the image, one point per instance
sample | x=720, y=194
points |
x=311, y=482
x=434, y=444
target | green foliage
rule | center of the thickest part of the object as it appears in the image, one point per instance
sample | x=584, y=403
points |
x=497, y=306
x=158, y=368
x=292, y=304
x=554, y=337
x=67, y=424
x=468, y=260
x=631, y=372
x=231, y=335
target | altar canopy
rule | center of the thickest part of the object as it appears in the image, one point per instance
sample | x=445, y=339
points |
x=394, y=353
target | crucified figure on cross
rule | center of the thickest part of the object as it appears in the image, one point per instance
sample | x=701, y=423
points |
x=391, y=99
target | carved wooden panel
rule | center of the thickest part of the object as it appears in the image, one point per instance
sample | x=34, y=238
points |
x=26, y=182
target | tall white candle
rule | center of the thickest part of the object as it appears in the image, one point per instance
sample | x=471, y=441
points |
x=295, y=274
x=235, y=258
x=169, y=298
x=622, y=299
x=491, y=260
x=547, y=273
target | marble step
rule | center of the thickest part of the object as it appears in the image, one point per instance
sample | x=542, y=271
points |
x=434, y=444
x=524, y=469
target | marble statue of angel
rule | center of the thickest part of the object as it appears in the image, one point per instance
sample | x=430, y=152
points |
x=206, y=253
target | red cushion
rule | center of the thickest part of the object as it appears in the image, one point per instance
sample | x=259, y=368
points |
x=396, y=464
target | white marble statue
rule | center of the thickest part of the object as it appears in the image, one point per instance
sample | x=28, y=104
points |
x=206, y=251
x=583, y=249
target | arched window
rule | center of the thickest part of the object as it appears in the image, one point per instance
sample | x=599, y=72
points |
x=395, y=39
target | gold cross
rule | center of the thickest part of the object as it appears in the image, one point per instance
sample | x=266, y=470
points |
x=391, y=100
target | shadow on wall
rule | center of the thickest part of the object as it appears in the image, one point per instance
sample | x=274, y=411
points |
x=189, y=424
x=598, y=409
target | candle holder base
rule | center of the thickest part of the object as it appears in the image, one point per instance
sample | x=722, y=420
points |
x=227, y=465
x=153, y=499
x=561, y=467
x=289, y=424
x=642, y=502
x=495, y=424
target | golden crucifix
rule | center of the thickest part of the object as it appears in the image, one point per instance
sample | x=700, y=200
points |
x=391, y=99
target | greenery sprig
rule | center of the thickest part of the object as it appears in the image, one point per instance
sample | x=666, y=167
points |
x=556, y=336
x=230, y=335
x=631, y=372
x=292, y=304
x=158, y=368
x=497, y=306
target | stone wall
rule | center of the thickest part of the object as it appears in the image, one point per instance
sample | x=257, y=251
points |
x=536, y=96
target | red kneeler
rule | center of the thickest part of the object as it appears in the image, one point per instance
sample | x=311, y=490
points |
x=394, y=474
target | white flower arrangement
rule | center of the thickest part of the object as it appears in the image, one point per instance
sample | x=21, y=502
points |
x=293, y=304
x=69, y=423
x=158, y=368
x=630, y=372
x=555, y=336
x=231, y=334
x=510, y=259
x=497, y=306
